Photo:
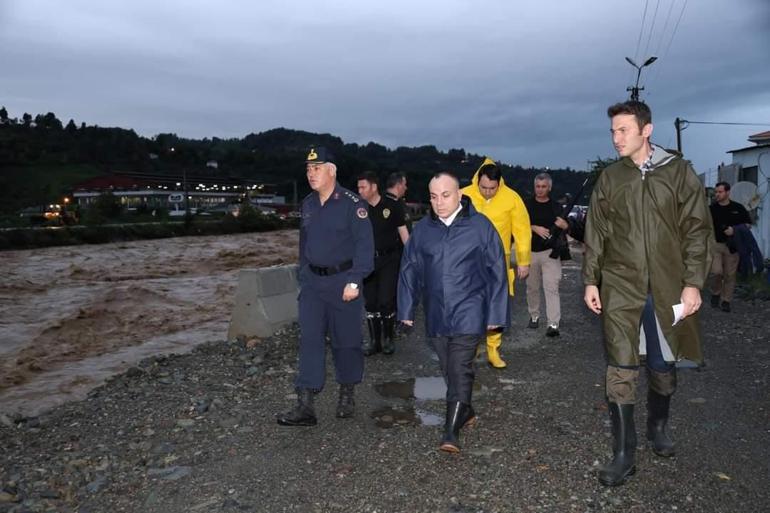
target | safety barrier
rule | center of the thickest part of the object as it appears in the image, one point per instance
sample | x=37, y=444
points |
x=265, y=301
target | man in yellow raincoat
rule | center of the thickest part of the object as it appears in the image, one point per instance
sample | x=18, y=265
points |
x=505, y=208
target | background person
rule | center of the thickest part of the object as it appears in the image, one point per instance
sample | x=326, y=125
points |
x=390, y=235
x=726, y=215
x=505, y=209
x=545, y=272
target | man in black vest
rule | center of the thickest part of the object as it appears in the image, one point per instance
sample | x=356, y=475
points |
x=390, y=236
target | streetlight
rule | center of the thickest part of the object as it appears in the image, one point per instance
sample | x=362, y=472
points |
x=635, y=90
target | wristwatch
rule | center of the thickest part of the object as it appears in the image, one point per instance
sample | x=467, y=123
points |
x=353, y=286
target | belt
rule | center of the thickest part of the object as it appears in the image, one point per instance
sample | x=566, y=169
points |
x=332, y=269
x=385, y=252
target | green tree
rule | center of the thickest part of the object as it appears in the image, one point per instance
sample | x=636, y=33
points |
x=3, y=116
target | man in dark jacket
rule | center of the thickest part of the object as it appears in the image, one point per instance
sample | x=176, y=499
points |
x=727, y=214
x=455, y=261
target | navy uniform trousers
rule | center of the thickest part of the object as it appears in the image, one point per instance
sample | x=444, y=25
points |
x=455, y=357
x=322, y=311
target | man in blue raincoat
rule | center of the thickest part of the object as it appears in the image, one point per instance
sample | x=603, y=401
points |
x=454, y=261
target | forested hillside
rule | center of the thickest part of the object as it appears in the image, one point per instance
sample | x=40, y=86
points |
x=41, y=158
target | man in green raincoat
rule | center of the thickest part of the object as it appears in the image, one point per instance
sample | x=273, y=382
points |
x=648, y=239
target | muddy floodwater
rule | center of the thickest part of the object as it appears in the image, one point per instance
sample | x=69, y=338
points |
x=72, y=316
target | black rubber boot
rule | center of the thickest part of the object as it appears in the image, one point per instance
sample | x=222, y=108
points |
x=457, y=415
x=346, y=404
x=374, y=343
x=303, y=414
x=657, y=417
x=622, y=465
x=388, y=327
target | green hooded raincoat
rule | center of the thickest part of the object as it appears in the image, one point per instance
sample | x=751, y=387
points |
x=650, y=233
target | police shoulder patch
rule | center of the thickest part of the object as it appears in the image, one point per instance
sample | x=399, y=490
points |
x=362, y=213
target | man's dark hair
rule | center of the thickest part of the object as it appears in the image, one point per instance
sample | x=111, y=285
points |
x=640, y=110
x=394, y=179
x=371, y=177
x=723, y=184
x=446, y=173
x=491, y=172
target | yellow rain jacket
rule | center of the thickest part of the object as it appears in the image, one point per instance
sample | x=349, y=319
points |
x=508, y=214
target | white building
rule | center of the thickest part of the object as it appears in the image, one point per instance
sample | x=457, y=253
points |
x=752, y=164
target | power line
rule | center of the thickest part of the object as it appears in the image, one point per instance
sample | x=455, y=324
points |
x=676, y=27
x=652, y=28
x=670, y=41
x=682, y=124
x=641, y=31
x=722, y=123
x=665, y=26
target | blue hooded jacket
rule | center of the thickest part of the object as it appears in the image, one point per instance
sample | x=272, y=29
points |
x=459, y=270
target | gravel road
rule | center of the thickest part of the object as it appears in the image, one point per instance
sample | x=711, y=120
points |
x=196, y=432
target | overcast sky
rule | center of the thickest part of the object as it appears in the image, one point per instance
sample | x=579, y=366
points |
x=526, y=82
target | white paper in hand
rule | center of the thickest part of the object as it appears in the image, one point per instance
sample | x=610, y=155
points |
x=678, y=311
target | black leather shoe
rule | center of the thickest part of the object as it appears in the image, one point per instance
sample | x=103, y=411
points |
x=533, y=323
x=725, y=306
x=303, y=413
x=552, y=331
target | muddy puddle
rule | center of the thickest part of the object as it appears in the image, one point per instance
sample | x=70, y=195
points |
x=412, y=395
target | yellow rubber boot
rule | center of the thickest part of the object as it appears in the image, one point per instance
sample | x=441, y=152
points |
x=494, y=339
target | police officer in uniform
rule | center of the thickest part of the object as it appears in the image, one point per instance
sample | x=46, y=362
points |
x=390, y=235
x=336, y=252
x=395, y=189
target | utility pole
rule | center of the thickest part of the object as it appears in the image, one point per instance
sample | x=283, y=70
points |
x=680, y=124
x=677, y=125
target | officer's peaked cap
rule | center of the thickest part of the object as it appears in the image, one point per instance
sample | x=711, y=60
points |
x=319, y=155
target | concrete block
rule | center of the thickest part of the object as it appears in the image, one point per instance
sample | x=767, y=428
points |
x=265, y=301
